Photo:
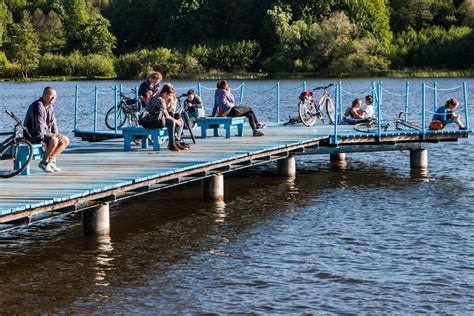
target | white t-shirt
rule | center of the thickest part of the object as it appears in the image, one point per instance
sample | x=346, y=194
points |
x=369, y=110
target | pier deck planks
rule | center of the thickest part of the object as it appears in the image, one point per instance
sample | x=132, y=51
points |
x=89, y=168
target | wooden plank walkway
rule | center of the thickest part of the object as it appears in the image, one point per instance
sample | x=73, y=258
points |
x=93, y=171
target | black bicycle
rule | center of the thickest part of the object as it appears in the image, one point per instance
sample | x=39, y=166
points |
x=370, y=126
x=183, y=111
x=127, y=110
x=15, y=151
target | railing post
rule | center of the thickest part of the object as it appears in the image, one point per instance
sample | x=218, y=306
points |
x=76, y=102
x=379, y=106
x=466, y=116
x=278, y=102
x=96, y=91
x=374, y=94
x=423, y=104
x=304, y=85
x=199, y=89
x=138, y=103
x=407, y=93
x=336, y=114
x=340, y=99
x=435, y=96
x=115, y=109
x=242, y=93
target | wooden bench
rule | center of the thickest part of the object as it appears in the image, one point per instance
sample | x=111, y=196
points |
x=38, y=153
x=129, y=134
x=215, y=122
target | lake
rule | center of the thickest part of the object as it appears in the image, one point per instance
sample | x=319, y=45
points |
x=365, y=236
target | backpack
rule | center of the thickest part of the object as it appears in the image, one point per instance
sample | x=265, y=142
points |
x=436, y=125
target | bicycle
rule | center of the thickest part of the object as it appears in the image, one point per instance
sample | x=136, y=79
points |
x=12, y=147
x=183, y=111
x=400, y=124
x=309, y=112
x=127, y=110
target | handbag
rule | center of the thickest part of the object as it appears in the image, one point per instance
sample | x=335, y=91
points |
x=152, y=120
x=436, y=125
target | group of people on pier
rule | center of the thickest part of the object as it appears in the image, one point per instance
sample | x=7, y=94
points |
x=160, y=111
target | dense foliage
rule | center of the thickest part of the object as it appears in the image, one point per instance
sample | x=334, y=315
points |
x=128, y=38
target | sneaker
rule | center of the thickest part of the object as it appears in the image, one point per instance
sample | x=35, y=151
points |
x=181, y=146
x=257, y=133
x=46, y=167
x=54, y=166
x=261, y=125
x=462, y=128
x=186, y=145
x=173, y=148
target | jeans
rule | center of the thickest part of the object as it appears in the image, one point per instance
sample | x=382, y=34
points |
x=170, y=126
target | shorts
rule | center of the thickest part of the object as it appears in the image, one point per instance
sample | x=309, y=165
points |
x=48, y=137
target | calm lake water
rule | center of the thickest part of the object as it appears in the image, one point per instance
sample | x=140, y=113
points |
x=366, y=236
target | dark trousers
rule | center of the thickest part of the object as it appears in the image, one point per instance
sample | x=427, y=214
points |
x=170, y=126
x=244, y=111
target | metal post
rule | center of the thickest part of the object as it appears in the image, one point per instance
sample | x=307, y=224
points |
x=96, y=91
x=336, y=114
x=466, y=116
x=242, y=93
x=407, y=93
x=304, y=85
x=76, y=102
x=199, y=89
x=278, y=102
x=340, y=99
x=115, y=108
x=379, y=106
x=137, y=101
x=423, y=107
x=435, y=96
x=419, y=158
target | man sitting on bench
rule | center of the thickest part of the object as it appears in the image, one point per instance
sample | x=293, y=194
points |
x=40, y=121
x=224, y=105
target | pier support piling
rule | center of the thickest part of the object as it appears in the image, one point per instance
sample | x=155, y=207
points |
x=337, y=157
x=419, y=158
x=213, y=188
x=287, y=167
x=96, y=220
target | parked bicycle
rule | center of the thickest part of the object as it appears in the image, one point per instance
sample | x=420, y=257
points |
x=310, y=111
x=183, y=110
x=127, y=110
x=15, y=151
x=399, y=124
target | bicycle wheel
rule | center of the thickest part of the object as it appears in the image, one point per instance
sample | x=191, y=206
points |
x=10, y=164
x=330, y=110
x=307, y=112
x=365, y=127
x=110, y=117
x=402, y=124
x=188, y=125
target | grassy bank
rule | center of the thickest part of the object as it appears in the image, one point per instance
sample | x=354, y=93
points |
x=278, y=75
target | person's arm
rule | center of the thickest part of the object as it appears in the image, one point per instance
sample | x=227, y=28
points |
x=225, y=100
x=198, y=102
x=356, y=115
x=40, y=125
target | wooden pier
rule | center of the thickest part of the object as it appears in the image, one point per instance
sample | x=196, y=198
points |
x=101, y=172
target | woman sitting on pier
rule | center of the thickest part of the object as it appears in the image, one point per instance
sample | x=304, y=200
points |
x=445, y=115
x=156, y=115
x=224, y=105
x=354, y=114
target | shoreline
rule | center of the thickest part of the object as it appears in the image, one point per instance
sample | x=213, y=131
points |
x=469, y=73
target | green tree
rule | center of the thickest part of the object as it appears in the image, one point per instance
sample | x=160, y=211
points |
x=5, y=18
x=50, y=30
x=96, y=38
x=25, y=45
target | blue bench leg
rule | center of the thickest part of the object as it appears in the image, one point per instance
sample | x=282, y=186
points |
x=144, y=142
x=204, y=131
x=227, y=127
x=156, y=141
x=127, y=140
x=240, y=129
x=216, y=131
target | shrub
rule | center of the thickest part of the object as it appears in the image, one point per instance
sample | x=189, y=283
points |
x=53, y=65
x=129, y=66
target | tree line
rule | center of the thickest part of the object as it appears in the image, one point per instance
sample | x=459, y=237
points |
x=128, y=38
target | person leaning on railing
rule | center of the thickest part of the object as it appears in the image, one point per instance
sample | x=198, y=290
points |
x=445, y=115
x=224, y=105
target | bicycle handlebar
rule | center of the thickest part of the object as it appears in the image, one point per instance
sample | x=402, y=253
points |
x=324, y=88
x=18, y=122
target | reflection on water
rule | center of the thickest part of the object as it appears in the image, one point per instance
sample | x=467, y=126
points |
x=102, y=248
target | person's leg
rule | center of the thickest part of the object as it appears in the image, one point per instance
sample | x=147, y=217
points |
x=457, y=120
x=63, y=142
x=247, y=112
x=179, y=130
x=51, y=144
x=170, y=126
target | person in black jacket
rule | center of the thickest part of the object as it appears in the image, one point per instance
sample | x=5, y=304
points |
x=40, y=121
